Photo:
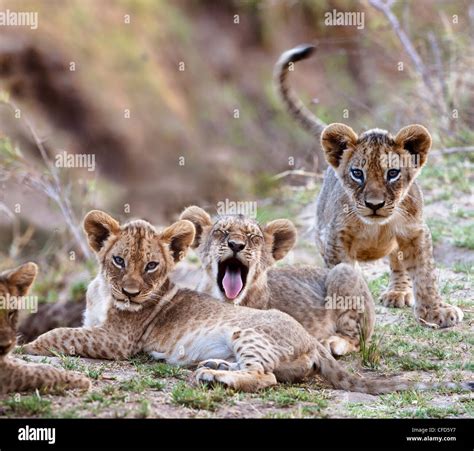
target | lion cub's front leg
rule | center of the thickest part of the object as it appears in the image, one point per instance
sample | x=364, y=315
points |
x=399, y=292
x=94, y=342
x=23, y=377
x=417, y=255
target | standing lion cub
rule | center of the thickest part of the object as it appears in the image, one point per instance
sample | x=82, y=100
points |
x=371, y=206
x=238, y=256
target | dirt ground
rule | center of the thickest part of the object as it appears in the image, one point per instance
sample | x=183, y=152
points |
x=146, y=389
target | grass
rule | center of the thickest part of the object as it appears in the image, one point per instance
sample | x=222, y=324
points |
x=408, y=404
x=198, y=398
x=165, y=370
x=378, y=285
x=463, y=214
x=144, y=409
x=28, y=405
x=289, y=396
x=438, y=229
x=451, y=286
x=69, y=362
x=464, y=236
x=377, y=410
x=140, y=384
x=72, y=363
x=370, y=352
x=463, y=267
x=94, y=372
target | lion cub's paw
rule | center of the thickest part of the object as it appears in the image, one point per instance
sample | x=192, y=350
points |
x=338, y=346
x=209, y=376
x=32, y=349
x=445, y=315
x=79, y=381
x=397, y=299
x=218, y=364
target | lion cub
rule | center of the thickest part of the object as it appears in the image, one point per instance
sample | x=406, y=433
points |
x=238, y=255
x=370, y=205
x=243, y=348
x=16, y=375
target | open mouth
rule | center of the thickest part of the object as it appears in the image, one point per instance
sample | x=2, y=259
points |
x=232, y=277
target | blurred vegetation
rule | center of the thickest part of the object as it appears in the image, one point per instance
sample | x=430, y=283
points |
x=220, y=115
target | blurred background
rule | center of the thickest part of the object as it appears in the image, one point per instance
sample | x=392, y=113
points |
x=175, y=101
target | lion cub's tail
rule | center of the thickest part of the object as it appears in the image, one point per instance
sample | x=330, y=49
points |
x=329, y=369
x=294, y=105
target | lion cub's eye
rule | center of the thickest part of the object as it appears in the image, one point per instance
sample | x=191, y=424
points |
x=151, y=266
x=357, y=175
x=393, y=174
x=119, y=262
x=255, y=239
x=11, y=315
x=219, y=234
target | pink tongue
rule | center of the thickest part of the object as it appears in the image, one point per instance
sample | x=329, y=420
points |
x=232, y=283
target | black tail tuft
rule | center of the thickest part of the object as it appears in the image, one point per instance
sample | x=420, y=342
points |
x=300, y=52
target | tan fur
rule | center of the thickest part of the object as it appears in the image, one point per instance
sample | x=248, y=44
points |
x=377, y=215
x=303, y=292
x=244, y=348
x=16, y=375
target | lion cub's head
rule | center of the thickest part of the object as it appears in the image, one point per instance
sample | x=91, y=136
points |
x=14, y=283
x=236, y=251
x=375, y=168
x=136, y=258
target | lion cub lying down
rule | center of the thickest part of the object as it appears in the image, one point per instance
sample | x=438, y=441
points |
x=244, y=348
x=16, y=375
x=238, y=254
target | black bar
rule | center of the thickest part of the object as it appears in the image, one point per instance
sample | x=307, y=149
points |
x=202, y=433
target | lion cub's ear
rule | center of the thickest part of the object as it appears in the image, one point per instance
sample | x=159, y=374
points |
x=336, y=138
x=281, y=236
x=416, y=140
x=99, y=226
x=200, y=219
x=179, y=236
x=22, y=277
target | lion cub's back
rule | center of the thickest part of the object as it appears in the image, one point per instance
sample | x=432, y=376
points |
x=195, y=309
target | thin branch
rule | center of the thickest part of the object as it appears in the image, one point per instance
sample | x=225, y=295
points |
x=385, y=8
x=299, y=172
x=54, y=189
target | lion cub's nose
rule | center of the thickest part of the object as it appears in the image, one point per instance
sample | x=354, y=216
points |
x=374, y=205
x=236, y=246
x=130, y=291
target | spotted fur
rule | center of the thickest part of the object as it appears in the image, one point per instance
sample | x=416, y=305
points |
x=370, y=206
x=243, y=348
x=17, y=375
x=303, y=292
